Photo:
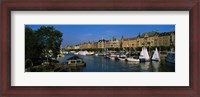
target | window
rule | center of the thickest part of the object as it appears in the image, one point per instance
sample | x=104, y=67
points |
x=73, y=61
x=78, y=61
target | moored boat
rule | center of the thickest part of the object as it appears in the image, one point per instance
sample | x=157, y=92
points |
x=112, y=56
x=83, y=52
x=170, y=58
x=122, y=57
x=133, y=59
x=144, y=56
x=90, y=53
x=156, y=56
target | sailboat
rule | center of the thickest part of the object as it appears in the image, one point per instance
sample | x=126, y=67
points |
x=144, y=56
x=156, y=56
x=141, y=57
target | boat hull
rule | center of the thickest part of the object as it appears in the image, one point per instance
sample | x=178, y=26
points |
x=122, y=59
x=133, y=60
x=155, y=60
x=142, y=60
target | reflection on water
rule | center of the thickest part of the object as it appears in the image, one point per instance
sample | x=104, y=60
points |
x=100, y=64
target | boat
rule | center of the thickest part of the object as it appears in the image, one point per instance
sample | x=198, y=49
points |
x=133, y=59
x=144, y=56
x=170, y=58
x=117, y=57
x=83, y=52
x=101, y=54
x=75, y=61
x=122, y=57
x=106, y=57
x=90, y=53
x=141, y=57
x=76, y=53
x=156, y=56
x=113, y=56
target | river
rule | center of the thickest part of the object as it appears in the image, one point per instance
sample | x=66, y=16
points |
x=100, y=64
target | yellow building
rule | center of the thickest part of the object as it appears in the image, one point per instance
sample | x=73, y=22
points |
x=148, y=39
x=102, y=43
x=165, y=39
x=129, y=42
x=113, y=44
x=88, y=46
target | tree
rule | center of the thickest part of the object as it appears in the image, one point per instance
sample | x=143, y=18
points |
x=49, y=39
x=42, y=43
x=30, y=47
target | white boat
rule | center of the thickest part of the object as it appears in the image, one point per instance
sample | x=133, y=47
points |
x=90, y=53
x=122, y=57
x=170, y=58
x=141, y=57
x=83, y=52
x=76, y=53
x=112, y=56
x=156, y=56
x=144, y=56
x=132, y=59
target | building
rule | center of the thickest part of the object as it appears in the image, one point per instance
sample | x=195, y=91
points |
x=129, y=42
x=148, y=39
x=69, y=47
x=102, y=43
x=76, y=47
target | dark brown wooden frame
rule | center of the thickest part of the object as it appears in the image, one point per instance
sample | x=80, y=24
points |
x=99, y=5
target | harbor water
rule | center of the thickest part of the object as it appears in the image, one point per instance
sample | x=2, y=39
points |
x=100, y=64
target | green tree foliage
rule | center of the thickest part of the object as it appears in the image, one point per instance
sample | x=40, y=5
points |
x=49, y=39
x=31, y=46
x=42, y=43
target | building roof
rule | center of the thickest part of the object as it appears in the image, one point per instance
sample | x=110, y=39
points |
x=150, y=34
x=103, y=40
x=130, y=38
x=74, y=58
x=166, y=33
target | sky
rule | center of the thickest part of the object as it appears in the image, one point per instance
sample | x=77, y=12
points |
x=76, y=34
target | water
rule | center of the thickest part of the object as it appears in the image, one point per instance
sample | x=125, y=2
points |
x=100, y=64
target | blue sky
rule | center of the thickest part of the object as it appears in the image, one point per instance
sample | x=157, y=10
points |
x=75, y=34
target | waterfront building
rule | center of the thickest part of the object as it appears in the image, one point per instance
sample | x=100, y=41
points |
x=69, y=47
x=129, y=42
x=102, y=43
x=89, y=45
x=113, y=43
x=148, y=39
x=76, y=47
x=167, y=39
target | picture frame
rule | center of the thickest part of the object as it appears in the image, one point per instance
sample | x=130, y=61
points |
x=193, y=90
